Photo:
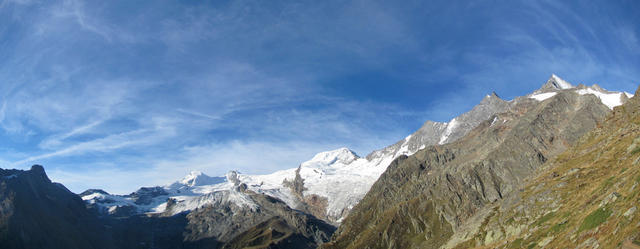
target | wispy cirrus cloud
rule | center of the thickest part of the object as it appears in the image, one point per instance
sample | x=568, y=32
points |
x=144, y=92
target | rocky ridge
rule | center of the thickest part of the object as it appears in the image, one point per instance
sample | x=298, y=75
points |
x=422, y=200
x=585, y=197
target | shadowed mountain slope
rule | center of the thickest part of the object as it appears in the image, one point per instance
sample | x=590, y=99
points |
x=37, y=213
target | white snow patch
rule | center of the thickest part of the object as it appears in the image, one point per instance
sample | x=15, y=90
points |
x=610, y=99
x=562, y=84
x=450, y=126
x=188, y=203
x=542, y=96
x=494, y=121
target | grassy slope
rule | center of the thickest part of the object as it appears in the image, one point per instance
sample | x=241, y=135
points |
x=585, y=196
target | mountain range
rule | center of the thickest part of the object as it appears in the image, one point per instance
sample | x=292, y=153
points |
x=471, y=182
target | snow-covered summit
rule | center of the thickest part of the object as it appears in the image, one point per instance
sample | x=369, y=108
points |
x=342, y=155
x=556, y=84
x=559, y=83
x=195, y=178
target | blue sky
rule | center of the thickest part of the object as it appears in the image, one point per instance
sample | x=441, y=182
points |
x=123, y=94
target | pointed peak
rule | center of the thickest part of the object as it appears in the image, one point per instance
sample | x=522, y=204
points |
x=491, y=97
x=556, y=83
x=597, y=88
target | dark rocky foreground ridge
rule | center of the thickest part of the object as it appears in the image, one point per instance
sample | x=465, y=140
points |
x=37, y=213
x=422, y=200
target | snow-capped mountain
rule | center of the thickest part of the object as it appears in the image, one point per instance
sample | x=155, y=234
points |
x=555, y=84
x=332, y=182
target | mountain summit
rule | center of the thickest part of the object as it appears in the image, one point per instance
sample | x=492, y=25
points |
x=197, y=178
x=342, y=155
x=556, y=83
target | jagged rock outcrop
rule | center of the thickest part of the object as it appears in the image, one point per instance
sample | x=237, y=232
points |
x=37, y=213
x=422, y=200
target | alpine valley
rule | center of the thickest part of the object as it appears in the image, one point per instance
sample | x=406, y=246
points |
x=556, y=168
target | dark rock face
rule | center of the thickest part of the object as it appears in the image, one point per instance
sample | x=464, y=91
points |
x=226, y=222
x=276, y=232
x=145, y=195
x=36, y=213
x=453, y=181
x=93, y=191
x=311, y=204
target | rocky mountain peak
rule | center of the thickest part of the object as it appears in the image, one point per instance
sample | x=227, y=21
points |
x=556, y=83
x=38, y=170
x=491, y=98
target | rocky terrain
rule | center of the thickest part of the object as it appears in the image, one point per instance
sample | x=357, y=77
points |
x=587, y=197
x=422, y=200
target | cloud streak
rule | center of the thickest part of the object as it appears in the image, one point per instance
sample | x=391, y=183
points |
x=98, y=91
